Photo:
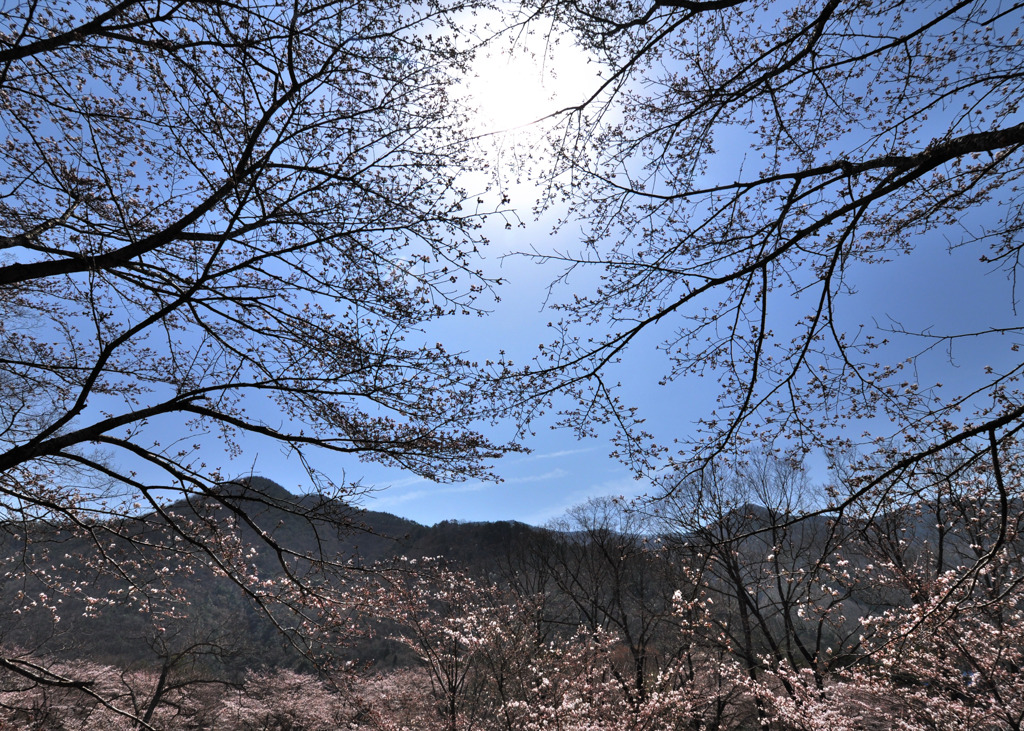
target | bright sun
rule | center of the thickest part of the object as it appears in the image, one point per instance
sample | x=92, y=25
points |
x=512, y=87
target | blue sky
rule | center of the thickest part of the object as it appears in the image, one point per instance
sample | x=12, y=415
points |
x=558, y=472
x=934, y=288
x=930, y=287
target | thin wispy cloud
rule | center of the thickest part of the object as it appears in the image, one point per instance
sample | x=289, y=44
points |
x=549, y=475
x=432, y=492
x=562, y=453
x=390, y=499
x=626, y=487
x=405, y=482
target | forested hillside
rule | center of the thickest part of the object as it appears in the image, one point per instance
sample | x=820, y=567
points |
x=109, y=625
x=604, y=617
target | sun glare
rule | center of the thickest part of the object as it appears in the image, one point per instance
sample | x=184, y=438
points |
x=511, y=87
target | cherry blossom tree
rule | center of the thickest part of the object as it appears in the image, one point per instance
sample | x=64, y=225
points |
x=396, y=699
x=615, y=575
x=740, y=171
x=226, y=223
x=84, y=695
x=936, y=664
x=286, y=701
x=490, y=668
x=469, y=637
x=783, y=586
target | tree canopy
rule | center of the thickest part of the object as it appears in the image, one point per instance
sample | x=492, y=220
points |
x=229, y=219
x=748, y=167
x=239, y=221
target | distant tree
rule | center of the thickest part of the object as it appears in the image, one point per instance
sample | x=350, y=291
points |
x=468, y=636
x=489, y=668
x=780, y=587
x=395, y=700
x=82, y=695
x=286, y=701
x=951, y=661
x=525, y=567
x=614, y=574
x=901, y=617
x=228, y=220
